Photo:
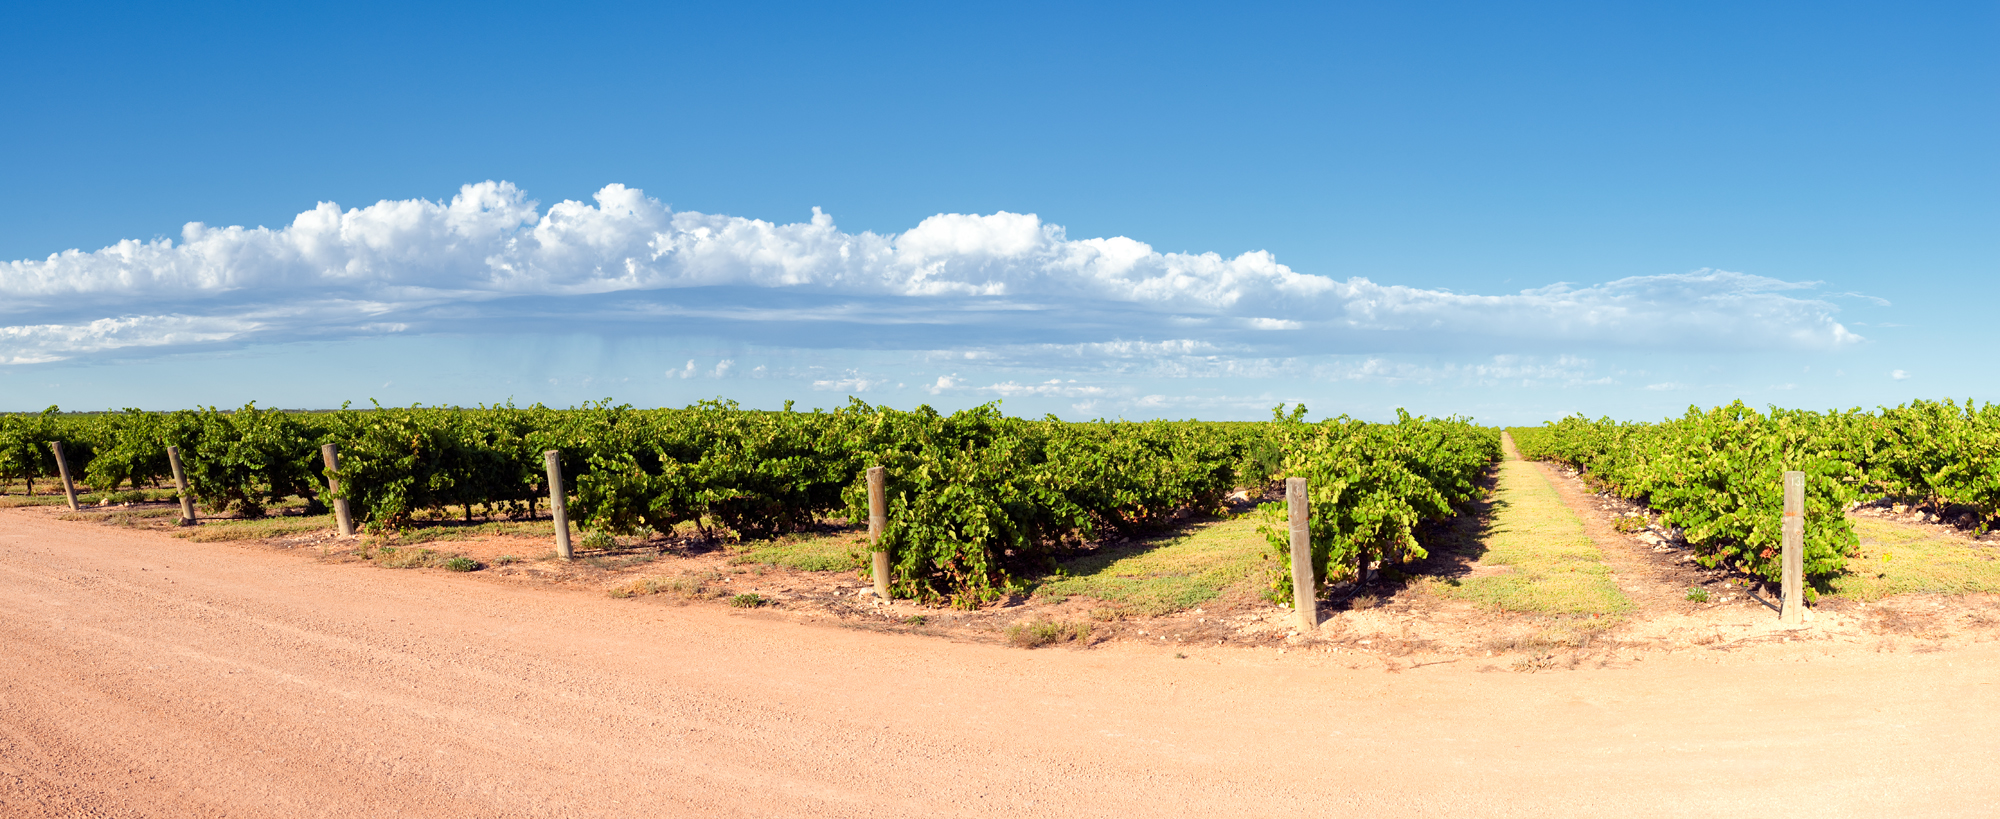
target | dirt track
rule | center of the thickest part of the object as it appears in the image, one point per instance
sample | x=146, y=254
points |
x=146, y=676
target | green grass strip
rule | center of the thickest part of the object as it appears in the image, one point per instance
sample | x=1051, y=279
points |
x=1162, y=577
x=1553, y=567
x=1897, y=559
x=809, y=553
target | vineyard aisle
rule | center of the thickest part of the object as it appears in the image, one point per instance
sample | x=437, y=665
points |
x=1533, y=554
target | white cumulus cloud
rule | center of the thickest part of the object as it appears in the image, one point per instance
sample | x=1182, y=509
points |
x=492, y=260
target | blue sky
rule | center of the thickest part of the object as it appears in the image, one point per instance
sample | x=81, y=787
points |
x=1508, y=211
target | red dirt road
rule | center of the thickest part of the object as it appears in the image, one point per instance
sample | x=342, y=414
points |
x=146, y=676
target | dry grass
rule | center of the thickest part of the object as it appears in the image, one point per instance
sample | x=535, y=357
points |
x=213, y=530
x=704, y=586
x=1903, y=559
x=11, y=501
x=390, y=557
x=1047, y=633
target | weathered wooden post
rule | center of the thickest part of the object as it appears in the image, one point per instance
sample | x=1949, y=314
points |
x=1304, y=597
x=62, y=468
x=878, y=519
x=181, y=483
x=330, y=453
x=1793, y=573
x=554, y=458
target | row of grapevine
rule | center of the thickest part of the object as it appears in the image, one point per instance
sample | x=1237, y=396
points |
x=976, y=499
x=1370, y=485
x=1715, y=474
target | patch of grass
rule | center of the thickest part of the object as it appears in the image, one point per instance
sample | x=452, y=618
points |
x=1565, y=633
x=807, y=552
x=391, y=557
x=1556, y=567
x=748, y=600
x=695, y=587
x=212, y=530
x=1047, y=633
x=121, y=496
x=1898, y=559
x=1168, y=575
x=596, y=540
x=1698, y=595
x=449, y=530
x=128, y=518
x=915, y=620
x=10, y=501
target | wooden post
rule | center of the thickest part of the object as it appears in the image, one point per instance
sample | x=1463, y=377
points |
x=330, y=453
x=1793, y=574
x=181, y=482
x=878, y=519
x=1305, y=597
x=62, y=468
x=554, y=458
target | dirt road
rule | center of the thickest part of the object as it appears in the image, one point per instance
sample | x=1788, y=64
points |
x=146, y=676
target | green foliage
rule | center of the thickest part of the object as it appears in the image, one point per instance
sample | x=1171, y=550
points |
x=24, y=445
x=977, y=500
x=1716, y=474
x=1369, y=485
x=748, y=600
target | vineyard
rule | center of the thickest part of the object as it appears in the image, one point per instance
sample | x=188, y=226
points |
x=977, y=500
x=1715, y=474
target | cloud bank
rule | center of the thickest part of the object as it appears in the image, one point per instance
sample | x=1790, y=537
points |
x=492, y=260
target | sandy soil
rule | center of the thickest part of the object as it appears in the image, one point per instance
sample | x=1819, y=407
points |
x=148, y=676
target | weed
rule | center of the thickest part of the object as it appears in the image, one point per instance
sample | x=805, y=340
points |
x=460, y=564
x=599, y=540
x=1361, y=601
x=1180, y=655
x=1697, y=594
x=914, y=620
x=1629, y=524
x=747, y=600
x=1107, y=614
x=506, y=560
x=1047, y=632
